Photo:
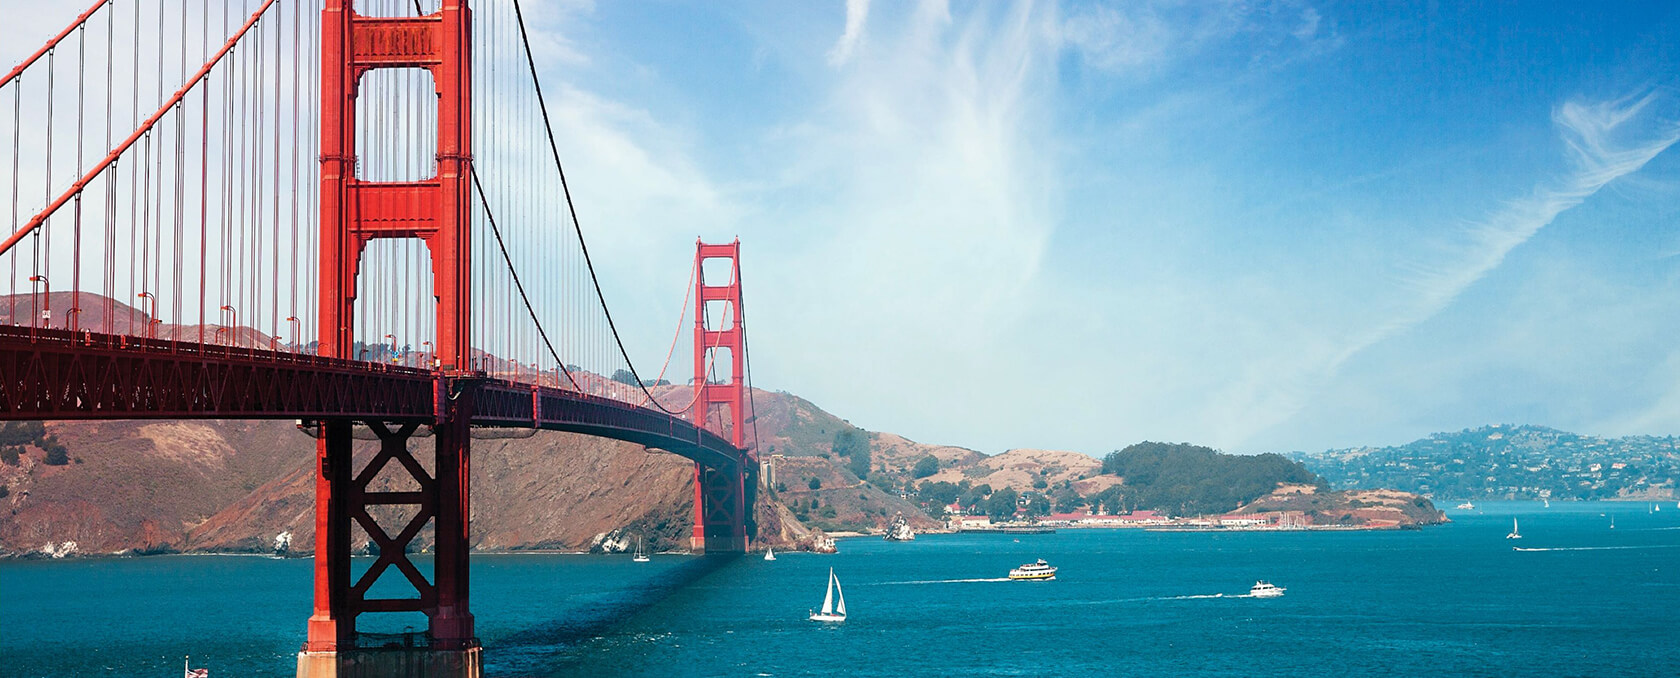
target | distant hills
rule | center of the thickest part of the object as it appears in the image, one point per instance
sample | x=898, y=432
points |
x=1511, y=462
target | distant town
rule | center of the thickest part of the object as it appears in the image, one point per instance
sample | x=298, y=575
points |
x=1510, y=462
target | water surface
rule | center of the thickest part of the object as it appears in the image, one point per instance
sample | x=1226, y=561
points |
x=1448, y=600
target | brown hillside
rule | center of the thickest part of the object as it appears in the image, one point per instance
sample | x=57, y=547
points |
x=138, y=485
x=1019, y=468
x=898, y=455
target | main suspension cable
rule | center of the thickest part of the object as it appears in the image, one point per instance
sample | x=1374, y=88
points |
x=548, y=127
x=529, y=309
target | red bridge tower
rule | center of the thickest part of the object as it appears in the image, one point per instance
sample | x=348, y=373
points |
x=723, y=497
x=354, y=212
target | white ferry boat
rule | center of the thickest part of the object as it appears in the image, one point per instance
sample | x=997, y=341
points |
x=1467, y=506
x=1263, y=589
x=1039, y=571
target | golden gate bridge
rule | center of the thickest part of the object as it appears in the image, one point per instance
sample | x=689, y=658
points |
x=353, y=214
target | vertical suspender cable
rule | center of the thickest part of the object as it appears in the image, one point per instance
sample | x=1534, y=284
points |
x=70, y=319
x=108, y=270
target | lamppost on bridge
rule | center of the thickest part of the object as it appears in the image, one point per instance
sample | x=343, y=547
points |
x=297, y=334
x=145, y=297
x=426, y=350
x=393, y=339
x=232, y=327
x=45, y=307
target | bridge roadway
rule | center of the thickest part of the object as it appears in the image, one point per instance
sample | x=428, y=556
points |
x=60, y=375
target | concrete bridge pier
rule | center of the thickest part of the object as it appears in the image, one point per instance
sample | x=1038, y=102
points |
x=392, y=663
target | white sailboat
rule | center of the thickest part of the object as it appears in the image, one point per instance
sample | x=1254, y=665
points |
x=830, y=611
x=1514, y=533
x=641, y=555
x=770, y=553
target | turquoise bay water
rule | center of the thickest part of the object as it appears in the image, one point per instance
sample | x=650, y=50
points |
x=1448, y=600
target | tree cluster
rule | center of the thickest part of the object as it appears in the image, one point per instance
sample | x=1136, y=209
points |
x=1189, y=479
x=852, y=444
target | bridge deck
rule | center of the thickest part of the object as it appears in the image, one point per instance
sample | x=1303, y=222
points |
x=56, y=374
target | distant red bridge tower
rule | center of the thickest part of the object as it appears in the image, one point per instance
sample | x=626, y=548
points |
x=723, y=498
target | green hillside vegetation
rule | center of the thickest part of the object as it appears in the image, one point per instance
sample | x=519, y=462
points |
x=1185, y=479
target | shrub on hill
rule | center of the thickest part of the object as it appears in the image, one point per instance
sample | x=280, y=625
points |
x=926, y=466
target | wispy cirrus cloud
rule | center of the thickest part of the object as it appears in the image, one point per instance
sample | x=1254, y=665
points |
x=1141, y=39
x=1597, y=136
x=1603, y=140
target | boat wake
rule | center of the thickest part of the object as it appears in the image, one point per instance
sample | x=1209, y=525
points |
x=1596, y=548
x=937, y=581
x=1156, y=599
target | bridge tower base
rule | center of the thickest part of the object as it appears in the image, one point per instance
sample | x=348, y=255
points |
x=392, y=663
x=347, y=498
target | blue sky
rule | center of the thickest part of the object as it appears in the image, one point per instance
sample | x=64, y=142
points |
x=1262, y=226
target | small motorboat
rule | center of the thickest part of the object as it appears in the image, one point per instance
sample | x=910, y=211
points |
x=1039, y=571
x=1265, y=589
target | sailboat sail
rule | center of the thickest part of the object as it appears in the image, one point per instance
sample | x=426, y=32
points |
x=841, y=609
x=828, y=597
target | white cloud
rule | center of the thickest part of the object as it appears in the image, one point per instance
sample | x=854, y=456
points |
x=1141, y=39
x=857, y=14
x=924, y=190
